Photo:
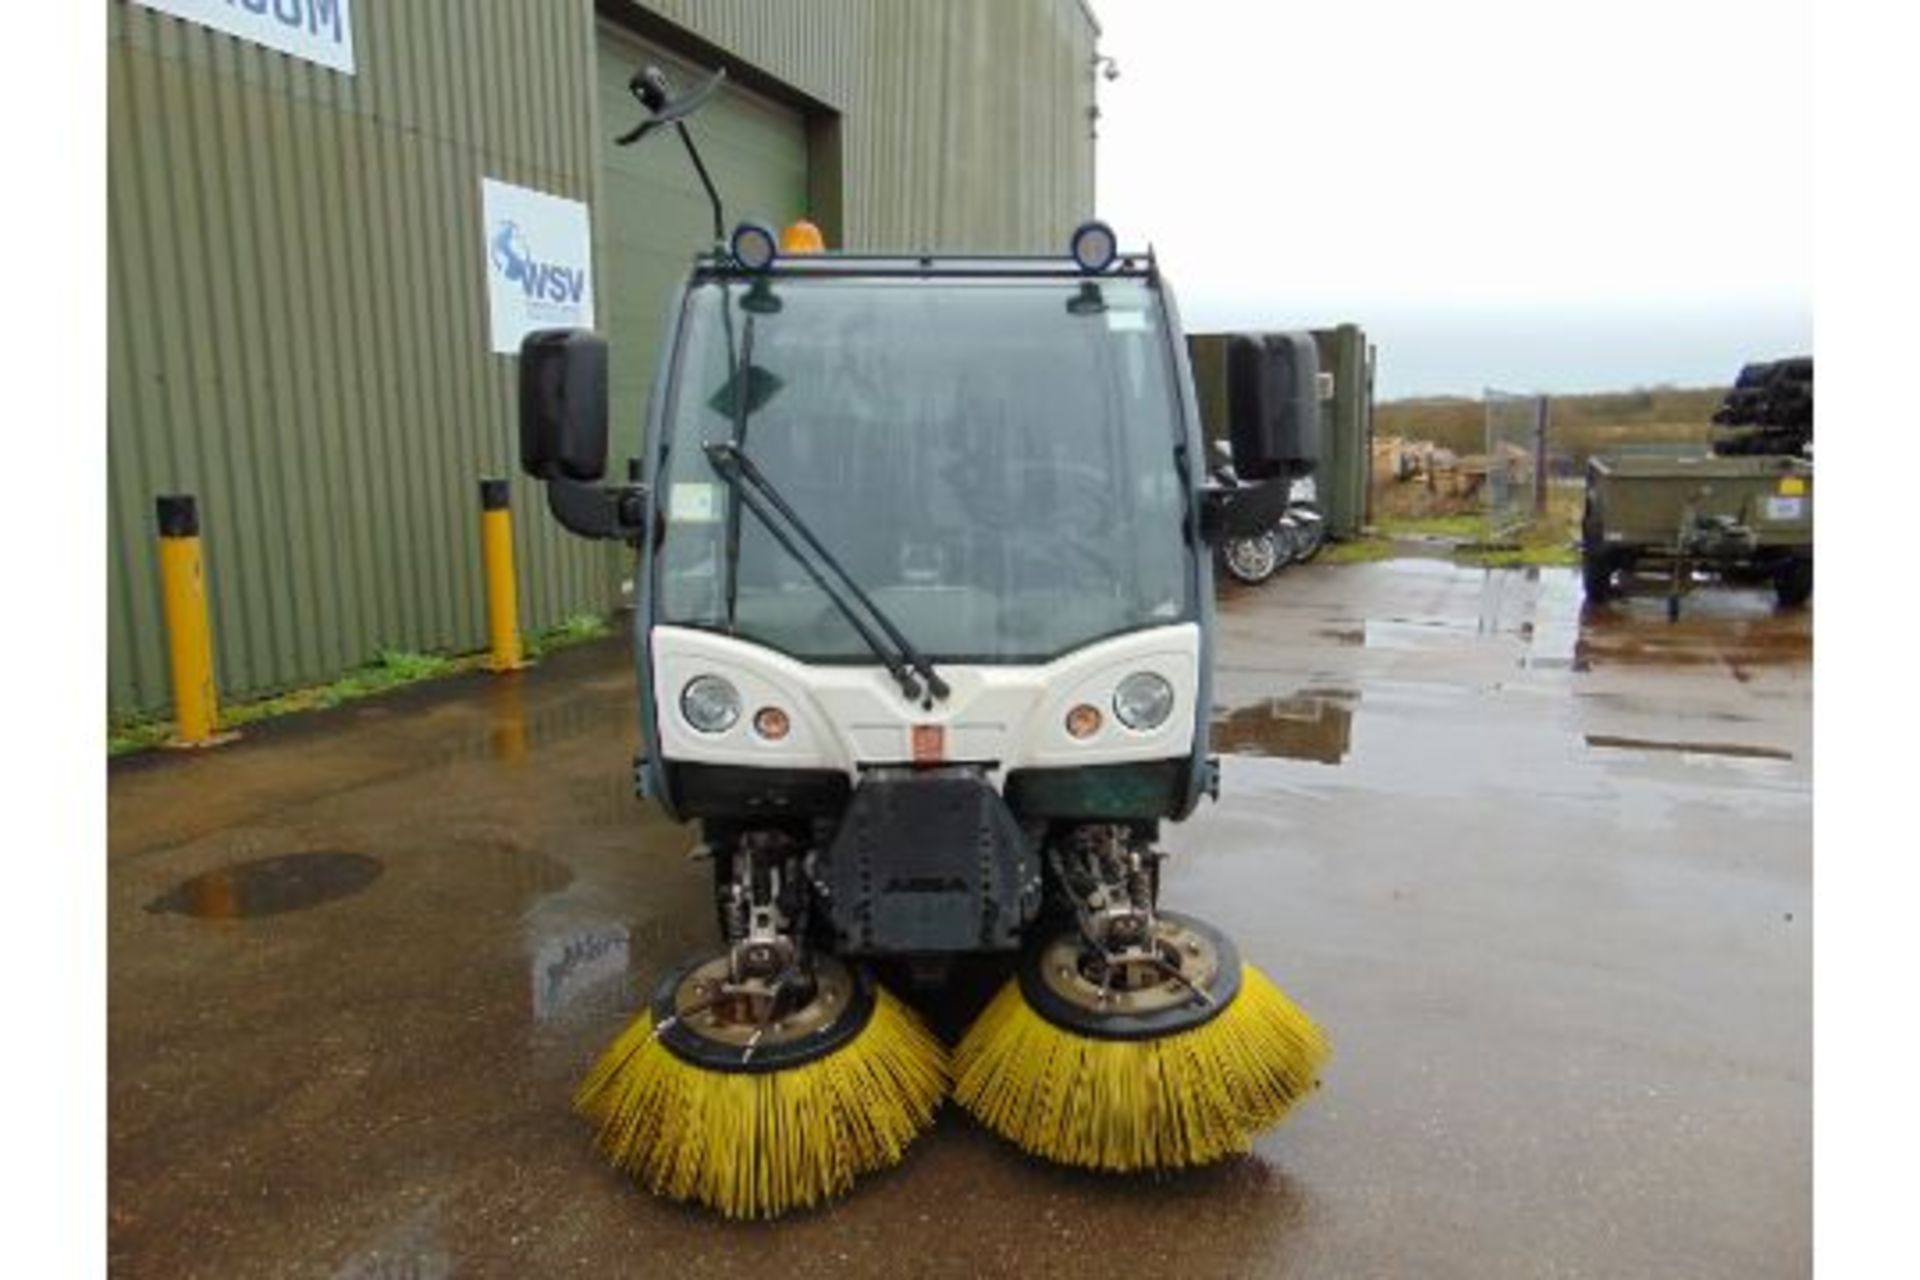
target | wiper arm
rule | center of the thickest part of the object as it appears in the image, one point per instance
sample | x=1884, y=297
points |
x=752, y=486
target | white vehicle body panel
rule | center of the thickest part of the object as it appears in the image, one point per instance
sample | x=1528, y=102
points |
x=845, y=717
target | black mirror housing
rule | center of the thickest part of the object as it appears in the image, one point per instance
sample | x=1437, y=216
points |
x=1273, y=400
x=563, y=405
x=1245, y=511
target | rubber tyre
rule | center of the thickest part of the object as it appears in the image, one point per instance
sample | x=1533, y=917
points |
x=1596, y=573
x=1252, y=560
x=1793, y=583
x=1312, y=536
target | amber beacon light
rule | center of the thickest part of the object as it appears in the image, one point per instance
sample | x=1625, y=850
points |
x=802, y=237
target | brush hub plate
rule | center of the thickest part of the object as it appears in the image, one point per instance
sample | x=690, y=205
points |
x=718, y=1026
x=1062, y=981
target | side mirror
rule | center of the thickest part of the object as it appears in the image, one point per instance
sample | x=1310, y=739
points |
x=563, y=405
x=1245, y=511
x=1273, y=405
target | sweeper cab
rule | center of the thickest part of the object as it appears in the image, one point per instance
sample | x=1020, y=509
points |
x=924, y=639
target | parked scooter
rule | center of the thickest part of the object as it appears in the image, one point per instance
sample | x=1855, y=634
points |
x=1254, y=558
x=1295, y=538
x=1266, y=371
x=1303, y=523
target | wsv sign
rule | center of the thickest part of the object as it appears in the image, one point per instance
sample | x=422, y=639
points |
x=540, y=281
x=539, y=262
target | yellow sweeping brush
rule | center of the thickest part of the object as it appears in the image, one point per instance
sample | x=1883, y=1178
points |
x=1182, y=1074
x=680, y=1107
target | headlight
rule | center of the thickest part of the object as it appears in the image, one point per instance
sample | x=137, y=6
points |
x=1143, y=701
x=710, y=704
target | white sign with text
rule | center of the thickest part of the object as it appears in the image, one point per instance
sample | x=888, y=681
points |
x=539, y=262
x=317, y=30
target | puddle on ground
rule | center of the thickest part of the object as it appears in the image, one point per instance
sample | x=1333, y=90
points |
x=1614, y=700
x=513, y=732
x=1314, y=724
x=1409, y=634
x=270, y=886
x=567, y=967
x=1741, y=630
x=1735, y=750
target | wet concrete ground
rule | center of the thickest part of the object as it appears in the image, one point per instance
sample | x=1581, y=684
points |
x=1544, y=874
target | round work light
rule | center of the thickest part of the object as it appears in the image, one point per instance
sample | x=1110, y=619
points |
x=754, y=246
x=1094, y=246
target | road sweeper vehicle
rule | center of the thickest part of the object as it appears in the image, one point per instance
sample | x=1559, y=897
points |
x=924, y=636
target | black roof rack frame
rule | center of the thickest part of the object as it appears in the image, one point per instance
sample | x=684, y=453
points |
x=913, y=266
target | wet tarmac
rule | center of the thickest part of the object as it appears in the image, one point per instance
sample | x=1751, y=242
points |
x=1543, y=872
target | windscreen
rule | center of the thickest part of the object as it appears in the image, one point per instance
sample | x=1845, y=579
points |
x=993, y=461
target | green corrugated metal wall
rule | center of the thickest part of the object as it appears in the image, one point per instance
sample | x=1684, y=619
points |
x=1346, y=484
x=297, y=316
x=966, y=123
x=296, y=296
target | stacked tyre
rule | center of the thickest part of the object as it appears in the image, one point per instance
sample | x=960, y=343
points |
x=1769, y=410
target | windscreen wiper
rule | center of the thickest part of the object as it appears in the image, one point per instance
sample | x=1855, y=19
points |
x=757, y=493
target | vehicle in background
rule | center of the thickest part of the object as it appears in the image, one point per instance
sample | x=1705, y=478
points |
x=1252, y=558
x=1264, y=371
x=1744, y=513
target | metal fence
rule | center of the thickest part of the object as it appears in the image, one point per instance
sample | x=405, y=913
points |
x=1516, y=428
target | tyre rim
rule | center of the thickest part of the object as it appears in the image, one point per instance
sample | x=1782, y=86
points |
x=1253, y=557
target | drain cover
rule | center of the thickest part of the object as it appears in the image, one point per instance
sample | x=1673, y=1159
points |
x=269, y=886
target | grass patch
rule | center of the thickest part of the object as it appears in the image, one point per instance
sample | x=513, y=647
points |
x=1472, y=527
x=392, y=669
x=578, y=629
x=135, y=733
x=1547, y=540
x=1515, y=557
x=1357, y=551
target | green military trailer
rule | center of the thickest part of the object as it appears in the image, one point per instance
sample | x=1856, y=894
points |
x=1744, y=514
x=1669, y=521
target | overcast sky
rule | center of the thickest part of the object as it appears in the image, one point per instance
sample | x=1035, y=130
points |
x=1514, y=193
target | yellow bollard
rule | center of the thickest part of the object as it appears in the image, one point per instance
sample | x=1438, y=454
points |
x=503, y=600
x=183, y=597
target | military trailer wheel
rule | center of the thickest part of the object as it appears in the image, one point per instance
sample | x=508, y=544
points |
x=1596, y=573
x=1793, y=582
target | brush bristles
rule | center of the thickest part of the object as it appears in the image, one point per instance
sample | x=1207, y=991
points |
x=759, y=1145
x=1127, y=1105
